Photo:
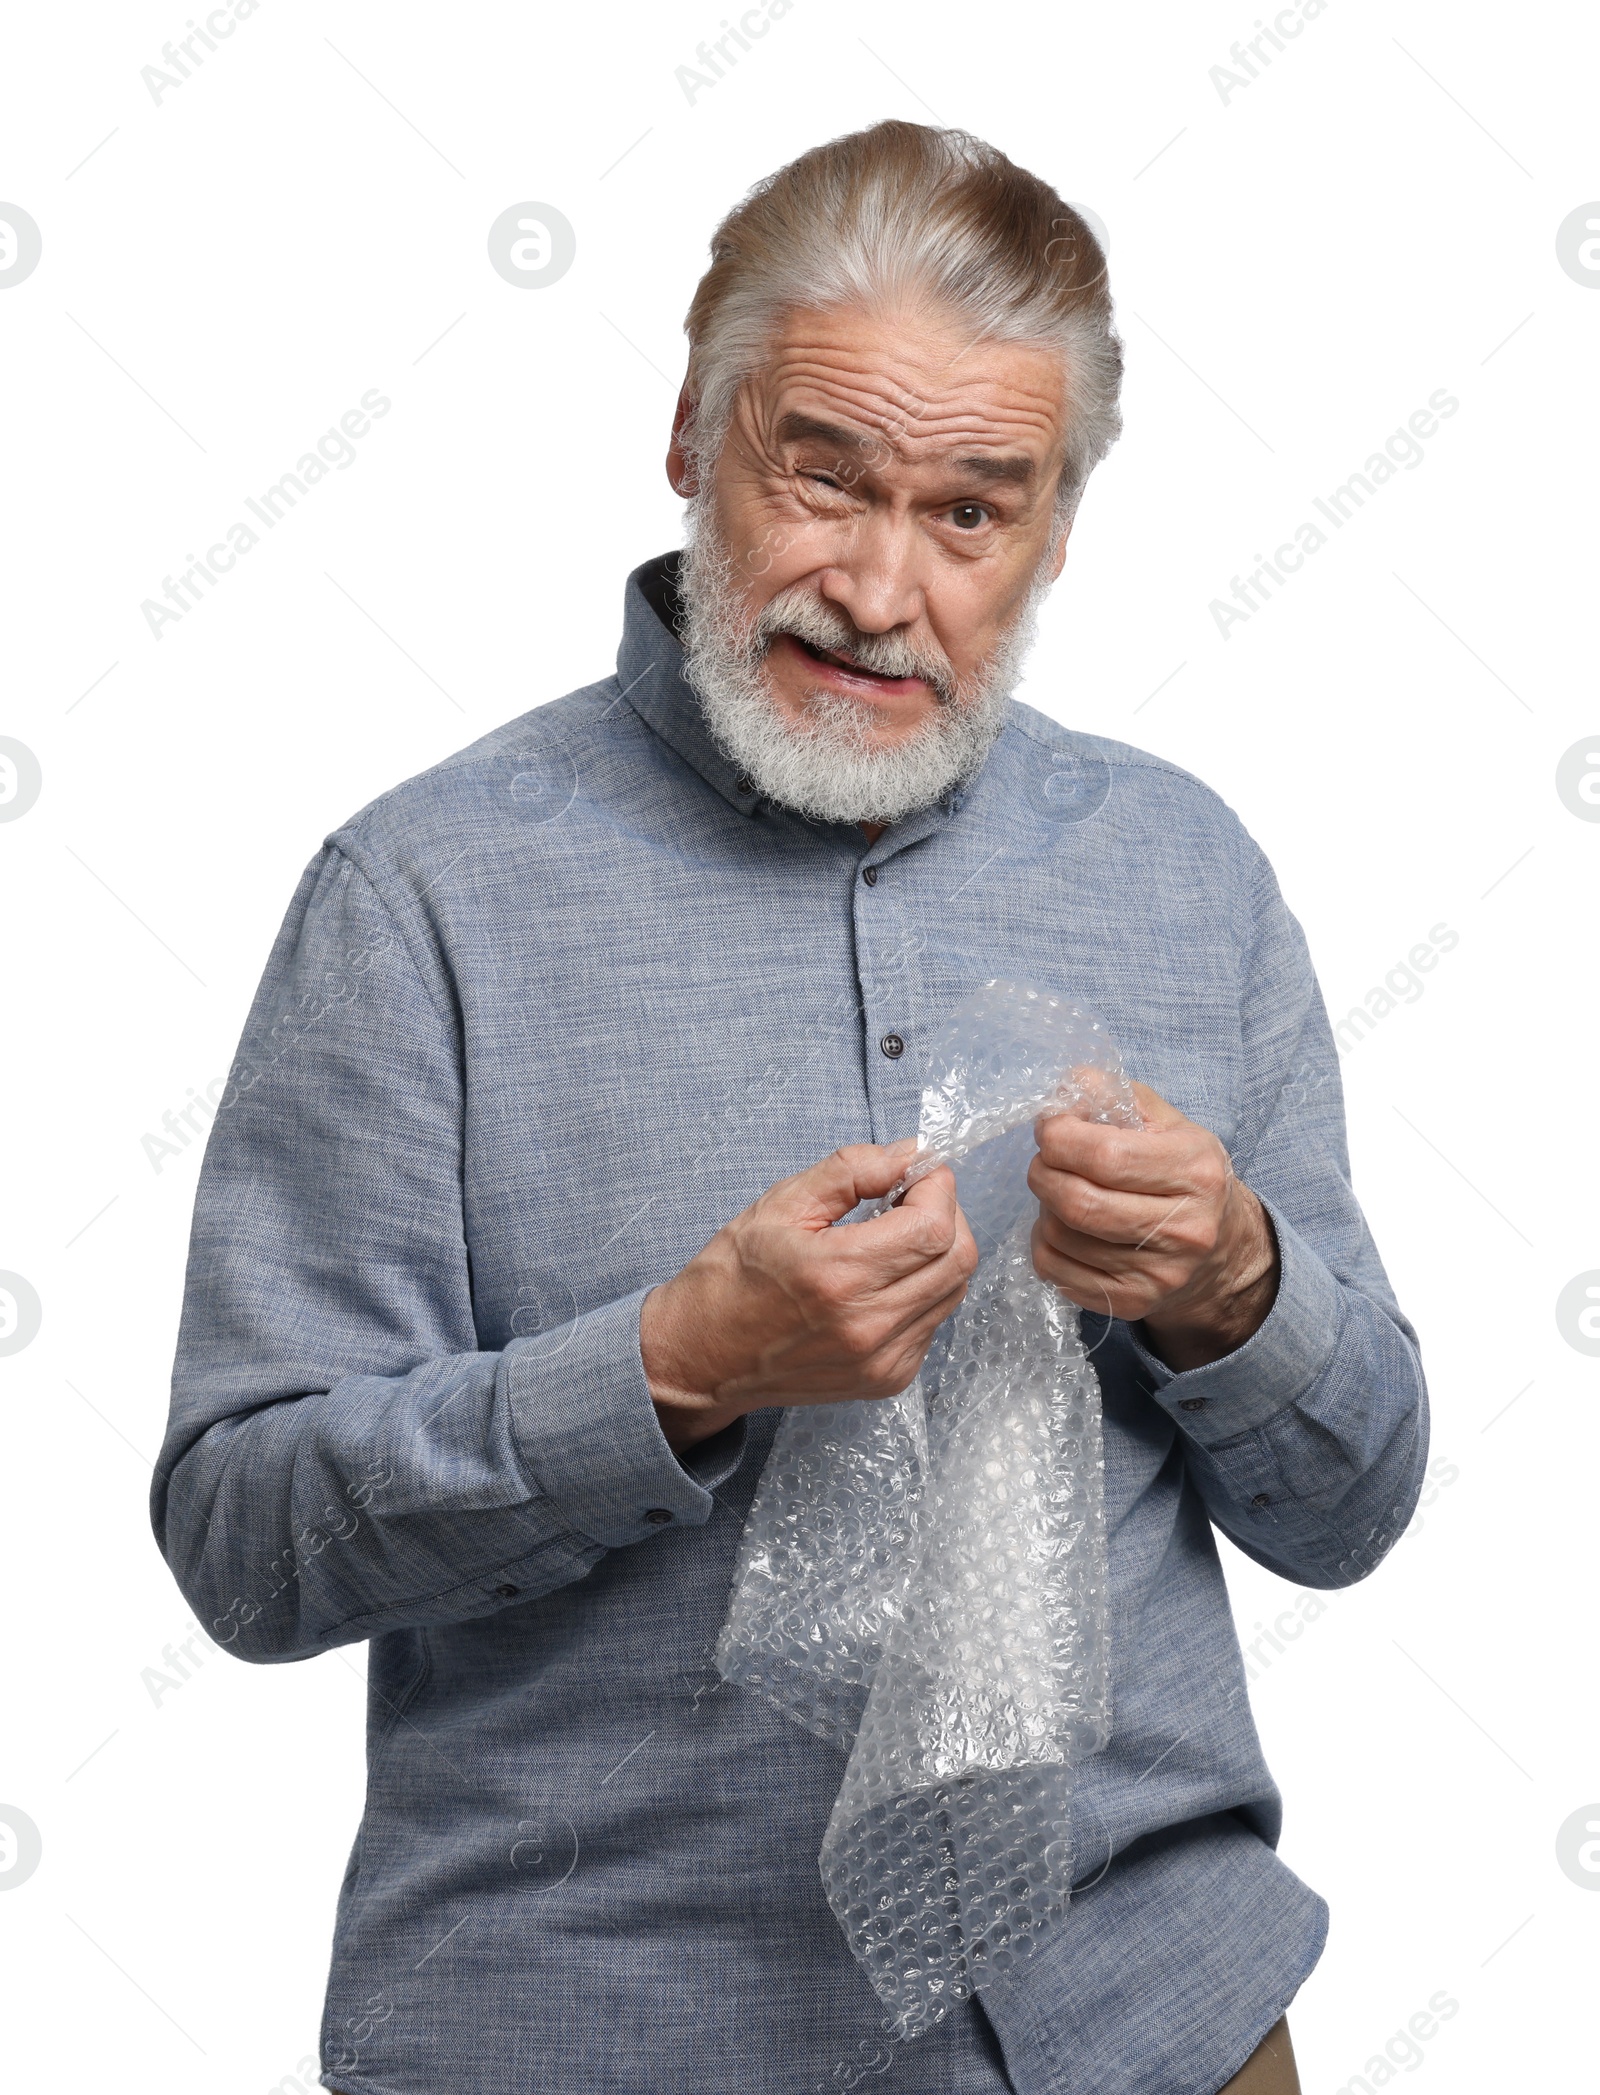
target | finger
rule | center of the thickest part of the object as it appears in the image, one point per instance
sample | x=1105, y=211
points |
x=966, y=1245
x=1115, y=1261
x=930, y=1187
x=1172, y=1160
x=1154, y=1110
x=915, y=1336
x=1129, y=1296
x=916, y=1294
x=900, y=1290
x=826, y=1191
x=926, y=1226
x=916, y=1306
x=893, y=1264
x=1107, y=1213
x=946, y=1306
x=1102, y=1095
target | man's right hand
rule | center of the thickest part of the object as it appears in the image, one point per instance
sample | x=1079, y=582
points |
x=782, y=1308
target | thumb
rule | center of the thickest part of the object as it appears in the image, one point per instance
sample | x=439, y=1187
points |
x=825, y=1194
x=1154, y=1110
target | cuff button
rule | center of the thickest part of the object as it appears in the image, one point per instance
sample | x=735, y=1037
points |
x=1260, y=1500
x=658, y=1516
x=1191, y=1403
x=506, y=1592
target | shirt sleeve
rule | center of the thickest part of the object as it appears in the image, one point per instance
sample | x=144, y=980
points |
x=1308, y=1442
x=341, y=1457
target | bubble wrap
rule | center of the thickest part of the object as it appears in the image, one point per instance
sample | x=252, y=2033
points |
x=922, y=1580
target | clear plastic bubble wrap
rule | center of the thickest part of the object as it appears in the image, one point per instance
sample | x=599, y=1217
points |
x=922, y=1580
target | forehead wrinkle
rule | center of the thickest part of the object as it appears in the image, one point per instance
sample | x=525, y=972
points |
x=909, y=425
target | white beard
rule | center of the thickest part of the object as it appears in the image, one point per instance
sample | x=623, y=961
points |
x=825, y=766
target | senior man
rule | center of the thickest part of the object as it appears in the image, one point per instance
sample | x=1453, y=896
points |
x=513, y=1238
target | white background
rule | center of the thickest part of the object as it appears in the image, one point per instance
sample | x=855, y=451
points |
x=1297, y=268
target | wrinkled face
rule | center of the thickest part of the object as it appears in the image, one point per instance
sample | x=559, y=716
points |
x=877, y=530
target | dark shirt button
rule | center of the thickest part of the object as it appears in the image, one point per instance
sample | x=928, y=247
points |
x=658, y=1516
x=1261, y=1499
x=506, y=1592
x=1191, y=1404
x=744, y=785
x=870, y=876
x=893, y=1046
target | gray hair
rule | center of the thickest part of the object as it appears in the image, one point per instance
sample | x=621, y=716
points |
x=903, y=214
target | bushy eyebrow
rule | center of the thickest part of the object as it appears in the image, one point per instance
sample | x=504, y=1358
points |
x=796, y=427
x=1015, y=471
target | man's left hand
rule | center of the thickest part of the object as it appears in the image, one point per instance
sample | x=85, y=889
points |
x=1150, y=1224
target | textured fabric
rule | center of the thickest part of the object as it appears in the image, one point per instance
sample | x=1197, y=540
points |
x=537, y=1023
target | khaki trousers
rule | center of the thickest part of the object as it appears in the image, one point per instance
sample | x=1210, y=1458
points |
x=1270, y=2068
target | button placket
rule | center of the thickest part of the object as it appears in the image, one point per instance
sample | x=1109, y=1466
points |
x=889, y=982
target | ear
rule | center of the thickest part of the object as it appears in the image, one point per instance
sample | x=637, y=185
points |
x=681, y=469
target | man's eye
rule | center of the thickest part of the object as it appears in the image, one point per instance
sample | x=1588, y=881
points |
x=968, y=516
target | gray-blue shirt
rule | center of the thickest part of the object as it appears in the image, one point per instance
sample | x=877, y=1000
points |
x=537, y=1023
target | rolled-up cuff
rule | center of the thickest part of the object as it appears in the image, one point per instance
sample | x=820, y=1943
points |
x=1277, y=1363
x=589, y=1435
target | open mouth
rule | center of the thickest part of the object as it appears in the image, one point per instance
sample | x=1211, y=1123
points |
x=840, y=659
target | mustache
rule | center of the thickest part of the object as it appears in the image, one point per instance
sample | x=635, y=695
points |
x=806, y=617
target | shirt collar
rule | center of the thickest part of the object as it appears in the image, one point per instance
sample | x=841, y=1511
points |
x=650, y=670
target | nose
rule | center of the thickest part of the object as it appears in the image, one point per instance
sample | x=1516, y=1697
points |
x=878, y=581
